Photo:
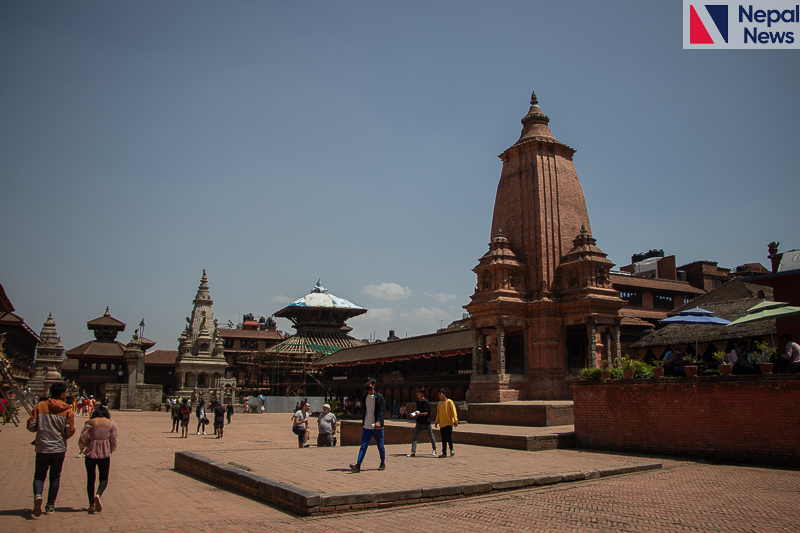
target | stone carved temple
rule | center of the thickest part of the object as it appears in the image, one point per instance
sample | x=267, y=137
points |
x=201, y=362
x=49, y=358
x=543, y=307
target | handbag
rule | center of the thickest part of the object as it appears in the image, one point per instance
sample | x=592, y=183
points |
x=205, y=421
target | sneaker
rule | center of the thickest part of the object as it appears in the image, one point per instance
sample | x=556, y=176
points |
x=355, y=468
x=452, y=453
x=382, y=467
x=97, y=505
x=412, y=454
x=49, y=509
x=37, y=505
x=433, y=452
x=204, y=433
x=90, y=510
x=443, y=455
x=198, y=432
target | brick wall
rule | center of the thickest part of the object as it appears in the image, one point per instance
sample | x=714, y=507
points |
x=740, y=419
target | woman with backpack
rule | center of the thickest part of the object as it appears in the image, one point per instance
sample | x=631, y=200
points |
x=186, y=415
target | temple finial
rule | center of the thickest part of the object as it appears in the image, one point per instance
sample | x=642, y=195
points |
x=534, y=100
x=583, y=229
x=204, y=279
x=106, y=313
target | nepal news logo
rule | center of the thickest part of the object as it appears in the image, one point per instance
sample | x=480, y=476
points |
x=761, y=24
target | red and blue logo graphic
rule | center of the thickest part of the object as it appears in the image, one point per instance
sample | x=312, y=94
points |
x=698, y=34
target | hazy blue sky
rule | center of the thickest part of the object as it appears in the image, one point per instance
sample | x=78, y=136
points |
x=276, y=143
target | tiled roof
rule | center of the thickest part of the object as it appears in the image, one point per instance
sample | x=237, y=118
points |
x=667, y=285
x=734, y=289
x=321, y=342
x=70, y=365
x=97, y=349
x=160, y=357
x=14, y=320
x=433, y=345
x=647, y=314
x=249, y=334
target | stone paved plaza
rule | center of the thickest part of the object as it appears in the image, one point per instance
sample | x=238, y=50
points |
x=145, y=493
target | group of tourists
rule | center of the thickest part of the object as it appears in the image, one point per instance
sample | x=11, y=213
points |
x=373, y=423
x=181, y=415
x=53, y=421
x=326, y=425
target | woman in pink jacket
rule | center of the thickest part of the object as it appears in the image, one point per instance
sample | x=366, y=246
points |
x=98, y=441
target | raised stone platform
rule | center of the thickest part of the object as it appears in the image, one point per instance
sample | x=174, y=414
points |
x=491, y=435
x=521, y=413
x=306, y=494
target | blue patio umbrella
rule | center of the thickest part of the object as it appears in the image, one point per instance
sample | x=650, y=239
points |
x=696, y=316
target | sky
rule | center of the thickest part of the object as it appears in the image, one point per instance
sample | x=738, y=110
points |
x=277, y=143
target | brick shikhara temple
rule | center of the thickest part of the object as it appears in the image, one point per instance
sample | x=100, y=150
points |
x=543, y=307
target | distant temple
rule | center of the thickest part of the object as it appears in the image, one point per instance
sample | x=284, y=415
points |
x=543, y=307
x=95, y=363
x=200, y=365
x=320, y=321
x=49, y=358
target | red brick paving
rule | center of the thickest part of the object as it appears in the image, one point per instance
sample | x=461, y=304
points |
x=146, y=494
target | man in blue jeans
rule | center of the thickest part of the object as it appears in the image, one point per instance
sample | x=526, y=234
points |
x=374, y=408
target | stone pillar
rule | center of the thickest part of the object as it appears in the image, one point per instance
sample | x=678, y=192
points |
x=133, y=354
x=617, y=347
x=476, y=364
x=525, y=350
x=591, y=331
x=501, y=350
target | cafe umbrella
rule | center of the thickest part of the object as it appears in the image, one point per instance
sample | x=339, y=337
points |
x=696, y=316
x=767, y=311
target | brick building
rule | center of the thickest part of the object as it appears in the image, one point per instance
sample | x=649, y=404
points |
x=543, y=307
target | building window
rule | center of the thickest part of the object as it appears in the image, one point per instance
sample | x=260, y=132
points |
x=247, y=344
x=634, y=298
x=227, y=344
x=662, y=301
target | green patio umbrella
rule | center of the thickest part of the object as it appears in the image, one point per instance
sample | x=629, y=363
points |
x=767, y=311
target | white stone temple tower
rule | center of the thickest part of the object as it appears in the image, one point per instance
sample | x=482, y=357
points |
x=201, y=361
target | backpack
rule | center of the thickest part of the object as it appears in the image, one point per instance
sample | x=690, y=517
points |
x=186, y=413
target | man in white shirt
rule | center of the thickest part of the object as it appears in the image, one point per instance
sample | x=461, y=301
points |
x=792, y=355
x=374, y=406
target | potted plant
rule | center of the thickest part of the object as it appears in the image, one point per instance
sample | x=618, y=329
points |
x=689, y=367
x=724, y=367
x=658, y=368
x=605, y=371
x=762, y=356
x=628, y=367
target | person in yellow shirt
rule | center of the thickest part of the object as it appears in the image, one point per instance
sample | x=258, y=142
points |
x=446, y=420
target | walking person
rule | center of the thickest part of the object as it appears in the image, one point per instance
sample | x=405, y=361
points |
x=186, y=415
x=54, y=423
x=201, y=416
x=97, y=442
x=229, y=411
x=300, y=424
x=374, y=406
x=423, y=418
x=326, y=425
x=175, y=412
x=446, y=420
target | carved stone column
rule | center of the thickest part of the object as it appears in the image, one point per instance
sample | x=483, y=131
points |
x=476, y=363
x=617, y=346
x=501, y=349
x=591, y=331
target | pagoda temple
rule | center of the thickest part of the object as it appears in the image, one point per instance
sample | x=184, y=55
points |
x=320, y=321
x=97, y=362
x=201, y=362
x=543, y=307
